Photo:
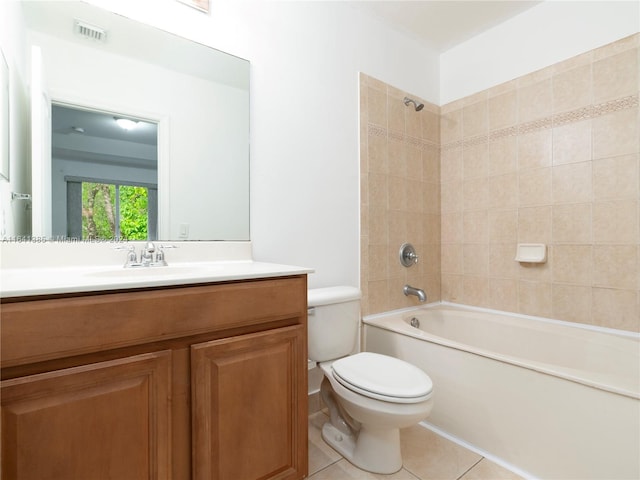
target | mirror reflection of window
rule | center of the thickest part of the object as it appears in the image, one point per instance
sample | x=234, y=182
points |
x=104, y=175
x=111, y=211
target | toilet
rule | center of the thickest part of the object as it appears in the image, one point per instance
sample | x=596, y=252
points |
x=370, y=397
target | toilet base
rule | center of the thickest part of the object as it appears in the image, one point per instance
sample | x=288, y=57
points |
x=373, y=450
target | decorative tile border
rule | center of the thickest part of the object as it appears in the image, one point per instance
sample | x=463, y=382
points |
x=374, y=130
x=615, y=105
x=556, y=120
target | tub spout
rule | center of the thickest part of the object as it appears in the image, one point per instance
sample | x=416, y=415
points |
x=418, y=292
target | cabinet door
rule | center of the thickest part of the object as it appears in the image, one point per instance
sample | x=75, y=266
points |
x=250, y=406
x=108, y=420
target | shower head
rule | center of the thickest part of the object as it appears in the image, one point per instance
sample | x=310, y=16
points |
x=417, y=106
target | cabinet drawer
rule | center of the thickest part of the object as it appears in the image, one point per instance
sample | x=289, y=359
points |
x=40, y=330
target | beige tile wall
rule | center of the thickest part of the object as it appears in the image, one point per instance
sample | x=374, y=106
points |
x=550, y=157
x=400, y=196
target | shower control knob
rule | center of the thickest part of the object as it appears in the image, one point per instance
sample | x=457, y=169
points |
x=408, y=255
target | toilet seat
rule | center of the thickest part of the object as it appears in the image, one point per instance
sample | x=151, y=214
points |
x=382, y=377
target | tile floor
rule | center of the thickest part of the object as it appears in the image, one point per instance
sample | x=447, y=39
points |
x=426, y=456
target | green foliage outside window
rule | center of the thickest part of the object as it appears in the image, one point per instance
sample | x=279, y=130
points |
x=100, y=213
x=133, y=213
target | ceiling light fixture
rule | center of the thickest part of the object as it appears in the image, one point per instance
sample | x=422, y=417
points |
x=126, y=123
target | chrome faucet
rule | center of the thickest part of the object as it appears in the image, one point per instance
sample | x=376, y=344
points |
x=146, y=254
x=147, y=257
x=418, y=292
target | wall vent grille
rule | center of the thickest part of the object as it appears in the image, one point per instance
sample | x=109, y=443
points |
x=86, y=30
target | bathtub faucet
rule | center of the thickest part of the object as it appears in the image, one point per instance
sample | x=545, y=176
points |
x=418, y=292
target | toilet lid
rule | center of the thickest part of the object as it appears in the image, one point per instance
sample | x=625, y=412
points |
x=383, y=377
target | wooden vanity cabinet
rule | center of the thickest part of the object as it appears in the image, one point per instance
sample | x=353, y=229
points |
x=203, y=382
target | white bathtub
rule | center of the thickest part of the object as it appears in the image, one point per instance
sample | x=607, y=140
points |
x=547, y=398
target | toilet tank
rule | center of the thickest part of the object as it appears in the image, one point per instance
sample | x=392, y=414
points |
x=334, y=316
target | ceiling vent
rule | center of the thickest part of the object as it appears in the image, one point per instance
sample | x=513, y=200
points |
x=86, y=30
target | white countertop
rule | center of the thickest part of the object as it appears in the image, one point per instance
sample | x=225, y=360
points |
x=31, y=268
x=20, y=282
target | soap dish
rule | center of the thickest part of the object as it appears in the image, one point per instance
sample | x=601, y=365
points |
x=531, y=253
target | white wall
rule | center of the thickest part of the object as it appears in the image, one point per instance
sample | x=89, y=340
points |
x=541, y=36
x=305, y=58
x=15, y=215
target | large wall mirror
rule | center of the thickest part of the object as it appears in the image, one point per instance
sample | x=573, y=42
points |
x=187, y=153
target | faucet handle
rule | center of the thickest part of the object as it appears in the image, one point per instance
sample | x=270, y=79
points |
x=160, y=259
x=408, y=255
x=132, y=259
x=131, y=256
